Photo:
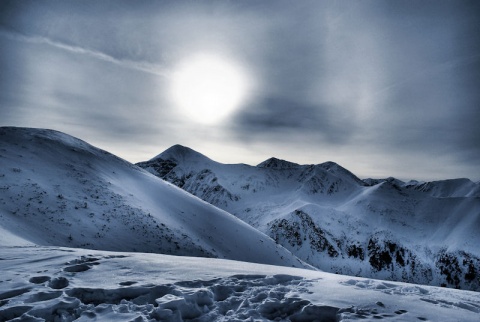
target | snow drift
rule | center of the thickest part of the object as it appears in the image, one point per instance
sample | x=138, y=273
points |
x=65, y=284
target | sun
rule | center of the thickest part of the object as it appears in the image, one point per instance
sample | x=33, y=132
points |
x=207, y=88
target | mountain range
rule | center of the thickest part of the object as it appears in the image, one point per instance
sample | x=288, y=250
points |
x=57, y=190
x=420, y=232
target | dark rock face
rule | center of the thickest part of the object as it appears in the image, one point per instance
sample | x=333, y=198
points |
x=300, y=229
x=158, y=167
x=459, y=269
x=384, y=257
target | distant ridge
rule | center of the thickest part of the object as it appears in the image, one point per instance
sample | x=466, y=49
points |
x=421, y=232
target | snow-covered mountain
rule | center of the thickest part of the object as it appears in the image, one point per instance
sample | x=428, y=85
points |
x=58, y=190
x=421, y=232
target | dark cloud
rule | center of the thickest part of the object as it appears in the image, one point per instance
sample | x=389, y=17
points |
x=274, y=115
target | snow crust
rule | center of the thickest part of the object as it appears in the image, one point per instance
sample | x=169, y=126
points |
x=64, y=284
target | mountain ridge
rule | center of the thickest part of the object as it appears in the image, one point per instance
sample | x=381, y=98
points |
x=328, y=217
x=58, y=190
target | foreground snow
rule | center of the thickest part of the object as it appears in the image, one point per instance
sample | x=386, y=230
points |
x=65, y=284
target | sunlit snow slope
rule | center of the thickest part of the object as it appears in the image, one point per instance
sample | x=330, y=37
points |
x=58, y=190
x=416, y=232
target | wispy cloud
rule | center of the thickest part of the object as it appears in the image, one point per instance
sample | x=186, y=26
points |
x=142, y=66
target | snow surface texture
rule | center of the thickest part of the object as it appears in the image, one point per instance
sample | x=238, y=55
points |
x=58, y=190
x=421, y=232
x=64, y=284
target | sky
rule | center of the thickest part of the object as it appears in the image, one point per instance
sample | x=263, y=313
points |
x=384, y=88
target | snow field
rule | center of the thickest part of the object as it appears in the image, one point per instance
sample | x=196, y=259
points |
x=62, y=284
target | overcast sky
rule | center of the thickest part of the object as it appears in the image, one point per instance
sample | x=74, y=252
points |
x=384, y=88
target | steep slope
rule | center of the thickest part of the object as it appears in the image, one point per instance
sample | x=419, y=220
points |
x=58, y=190
x=385, y=228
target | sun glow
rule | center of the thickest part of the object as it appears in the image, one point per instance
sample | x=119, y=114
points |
x=208, y=88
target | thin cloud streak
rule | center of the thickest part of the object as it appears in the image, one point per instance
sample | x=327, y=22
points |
x=142, y=66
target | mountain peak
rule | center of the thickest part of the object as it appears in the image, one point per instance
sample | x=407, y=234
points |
x=178, y=150
x=329, y=165
x=275, y=163
x=337, y=169
x=179, y=153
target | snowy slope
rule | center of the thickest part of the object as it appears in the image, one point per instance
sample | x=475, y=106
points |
x=64, y=284
x=448, y=188
x=58, y=190
x=417, y=232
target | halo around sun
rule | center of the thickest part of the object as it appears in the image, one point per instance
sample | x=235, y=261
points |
x=207, y=88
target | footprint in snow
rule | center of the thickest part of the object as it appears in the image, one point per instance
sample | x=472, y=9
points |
x=82, y=264
x=462, y=305
x=43, y=296
x=14, y=312
x=127, y=283
x=385, y=287
x=58, y=283
x=77, y=268
x=367, y=313
x=14, y=293
x=39, y=279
